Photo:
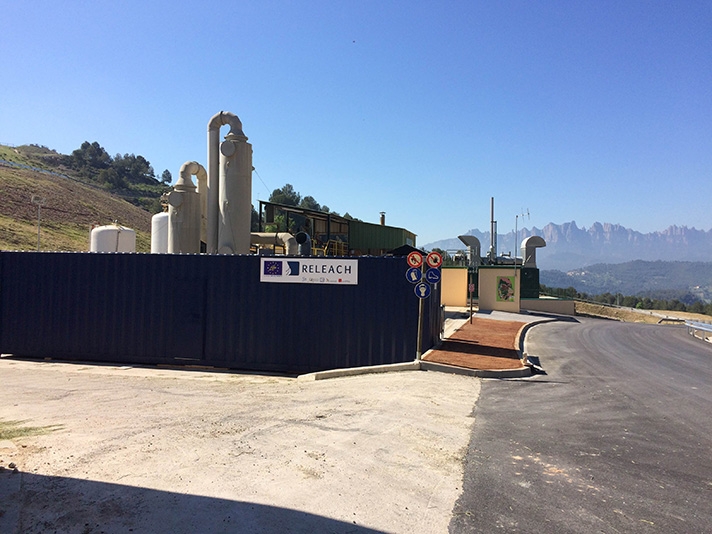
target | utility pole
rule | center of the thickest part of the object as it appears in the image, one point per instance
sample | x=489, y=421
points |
x=39, y=201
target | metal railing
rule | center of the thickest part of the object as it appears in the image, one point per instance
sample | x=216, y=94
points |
x=699, y=330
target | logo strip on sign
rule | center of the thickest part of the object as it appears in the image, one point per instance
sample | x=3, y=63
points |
x=309, y=271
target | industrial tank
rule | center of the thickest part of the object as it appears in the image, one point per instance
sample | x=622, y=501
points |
x=159, y=233
x=112, y=238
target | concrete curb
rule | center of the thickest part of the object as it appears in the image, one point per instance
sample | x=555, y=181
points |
x=519, y=340
x=416, y=365
x=480, y=373
x=422, y=365
x=354, y=371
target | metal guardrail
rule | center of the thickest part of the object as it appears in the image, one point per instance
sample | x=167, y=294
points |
x=700, y=326
x=699, y=330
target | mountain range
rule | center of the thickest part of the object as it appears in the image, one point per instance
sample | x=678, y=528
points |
x=570, y=247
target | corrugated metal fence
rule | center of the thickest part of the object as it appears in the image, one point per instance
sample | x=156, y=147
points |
x=206, y=310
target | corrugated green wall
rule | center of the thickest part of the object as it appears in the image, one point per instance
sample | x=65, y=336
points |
x=364, y=236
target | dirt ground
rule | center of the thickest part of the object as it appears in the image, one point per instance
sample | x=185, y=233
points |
x=481, y=344
x=127, y=449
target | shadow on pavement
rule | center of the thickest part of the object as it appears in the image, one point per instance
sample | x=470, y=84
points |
x=39, y=503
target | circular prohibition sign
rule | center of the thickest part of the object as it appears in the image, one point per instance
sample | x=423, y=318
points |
x=434, y=260
x=415, y=259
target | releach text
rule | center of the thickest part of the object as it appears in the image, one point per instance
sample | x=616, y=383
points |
x=326, y=269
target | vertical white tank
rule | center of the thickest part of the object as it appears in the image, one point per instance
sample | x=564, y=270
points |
x=112, y=238
x=159, y=233
x=229, y=187
x=184, y=211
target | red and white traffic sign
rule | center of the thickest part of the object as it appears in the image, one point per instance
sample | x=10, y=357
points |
x=434, y=260
x=415, y=259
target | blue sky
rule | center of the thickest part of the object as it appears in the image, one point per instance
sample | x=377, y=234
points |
x=585, y=111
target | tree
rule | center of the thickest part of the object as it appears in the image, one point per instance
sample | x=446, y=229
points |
x=90, y=156
x=310, y=203
x=696, y=307
x=134, y=169
x=254, y=220
x=112, y=178
x=167, y=177
x=286, y=195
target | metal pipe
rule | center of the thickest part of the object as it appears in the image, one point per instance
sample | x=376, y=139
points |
x=493, y=234
x=304, y=242
x=287, y=240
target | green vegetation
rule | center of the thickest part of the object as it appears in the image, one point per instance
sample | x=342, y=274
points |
x=16, y=429
x=686, y=281
x=128, y=175
x=288, y=196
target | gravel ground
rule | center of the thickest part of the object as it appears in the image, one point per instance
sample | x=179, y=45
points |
x=159, y=450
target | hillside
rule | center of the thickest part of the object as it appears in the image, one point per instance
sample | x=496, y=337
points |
x=655, y=279
x=72, y=206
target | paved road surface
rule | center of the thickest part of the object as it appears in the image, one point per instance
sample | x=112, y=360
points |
x=616, y=438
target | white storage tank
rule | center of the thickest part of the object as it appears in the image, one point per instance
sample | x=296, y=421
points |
x=159, y=233
x=112, y=238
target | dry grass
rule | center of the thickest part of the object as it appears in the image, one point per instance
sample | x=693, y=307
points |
x=630, y=316
x=16, y=429
x=18, y=234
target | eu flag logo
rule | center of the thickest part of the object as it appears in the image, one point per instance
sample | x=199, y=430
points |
x=273, y=268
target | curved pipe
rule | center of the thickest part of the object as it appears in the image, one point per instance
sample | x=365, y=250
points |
x=473, y=245
x=304, y=242
x=282, y=238
x=188, y=169
x=213, y=211
x=529, y=246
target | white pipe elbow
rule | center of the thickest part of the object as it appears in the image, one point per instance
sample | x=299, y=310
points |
x=225, y=117
x=188, y=169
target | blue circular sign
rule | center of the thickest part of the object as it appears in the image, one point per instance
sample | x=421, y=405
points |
x=433, y=276
x=414, y=275
x=422, y=290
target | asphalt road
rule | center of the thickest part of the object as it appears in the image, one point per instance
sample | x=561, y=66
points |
x=617, y=437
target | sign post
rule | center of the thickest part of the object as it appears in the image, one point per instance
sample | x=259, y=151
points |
x=422, y=289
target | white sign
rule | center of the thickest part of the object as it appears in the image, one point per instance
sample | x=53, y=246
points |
x=308, y=271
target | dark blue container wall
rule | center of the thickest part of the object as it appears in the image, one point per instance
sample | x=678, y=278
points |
x=206, y=310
